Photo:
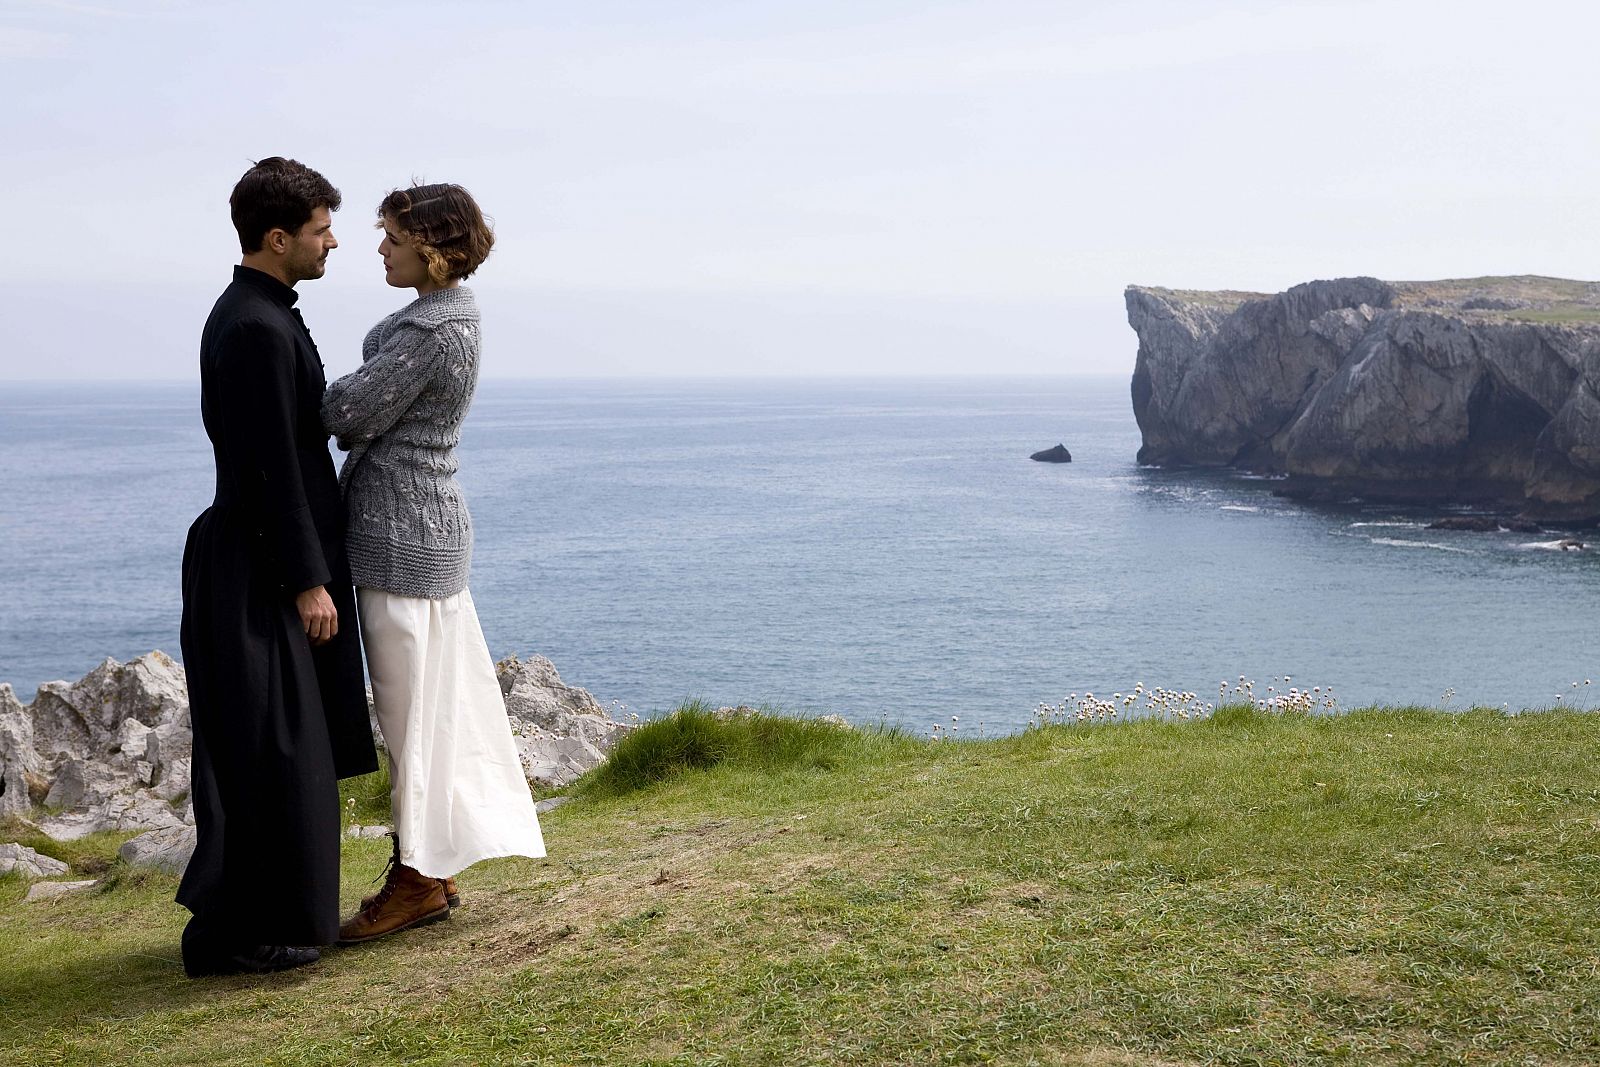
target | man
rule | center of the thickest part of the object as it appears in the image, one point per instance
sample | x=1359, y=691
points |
x=270, y=643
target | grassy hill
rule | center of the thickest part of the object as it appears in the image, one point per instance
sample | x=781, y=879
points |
x=1381, y=887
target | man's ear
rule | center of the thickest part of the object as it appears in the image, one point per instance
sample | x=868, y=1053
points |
x=277, y=239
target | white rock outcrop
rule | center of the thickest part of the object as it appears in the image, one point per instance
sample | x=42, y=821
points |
x=167, y=849
x=107, y=752
x=51, y=890
x=22, y=780
x=20, y=859
x=136, y=810
x=561, y=731
x=112, y=750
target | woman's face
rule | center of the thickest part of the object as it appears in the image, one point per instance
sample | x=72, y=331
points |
x=403, y=265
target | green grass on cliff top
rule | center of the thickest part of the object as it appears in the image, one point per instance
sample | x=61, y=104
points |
x=1390, y=886
x=1532, y=298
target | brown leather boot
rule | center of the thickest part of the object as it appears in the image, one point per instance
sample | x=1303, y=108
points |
x=451, y=895
x=407, y=899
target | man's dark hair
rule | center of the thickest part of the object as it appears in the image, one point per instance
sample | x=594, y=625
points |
x=277, y=193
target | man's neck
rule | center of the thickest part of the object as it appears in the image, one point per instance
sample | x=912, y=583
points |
x=271, y=265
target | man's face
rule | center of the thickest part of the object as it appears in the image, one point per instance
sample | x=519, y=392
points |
x=308, y=249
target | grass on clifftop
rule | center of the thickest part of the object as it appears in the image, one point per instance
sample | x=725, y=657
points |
x=696, y=739
x=1508, y=298
x=1384, y=887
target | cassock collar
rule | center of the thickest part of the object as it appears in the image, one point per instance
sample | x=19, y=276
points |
x=283, y=294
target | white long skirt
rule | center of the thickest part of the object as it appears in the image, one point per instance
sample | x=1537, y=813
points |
x=457, y=787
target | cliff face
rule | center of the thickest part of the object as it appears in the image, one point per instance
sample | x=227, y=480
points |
x=1485, y=391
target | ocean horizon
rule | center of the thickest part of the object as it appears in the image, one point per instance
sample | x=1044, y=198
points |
x=879, y=548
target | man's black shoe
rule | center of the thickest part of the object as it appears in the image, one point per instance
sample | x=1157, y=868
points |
x=258, y=960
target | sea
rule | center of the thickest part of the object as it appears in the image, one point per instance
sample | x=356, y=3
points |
x=884, y=550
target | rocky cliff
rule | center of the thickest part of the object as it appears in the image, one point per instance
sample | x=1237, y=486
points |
x=1482, y=391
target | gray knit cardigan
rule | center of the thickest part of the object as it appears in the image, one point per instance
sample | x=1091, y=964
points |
x=399, y=417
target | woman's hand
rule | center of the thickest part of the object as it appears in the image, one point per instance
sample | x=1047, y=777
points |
x=317, y=614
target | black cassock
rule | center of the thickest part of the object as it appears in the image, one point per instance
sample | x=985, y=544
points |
x=276, y=722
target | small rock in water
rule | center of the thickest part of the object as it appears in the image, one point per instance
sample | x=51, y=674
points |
x=1058, y=454
x=1485, y=524
x=1474, y=523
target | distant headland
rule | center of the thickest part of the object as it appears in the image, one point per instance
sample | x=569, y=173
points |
x=1482, y=391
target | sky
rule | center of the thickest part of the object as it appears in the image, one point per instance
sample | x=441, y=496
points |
x=811, y=188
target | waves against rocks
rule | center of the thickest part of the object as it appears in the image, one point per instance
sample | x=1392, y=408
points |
x=1481, y=391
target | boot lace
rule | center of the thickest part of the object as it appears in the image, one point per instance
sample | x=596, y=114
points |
x=391, y=878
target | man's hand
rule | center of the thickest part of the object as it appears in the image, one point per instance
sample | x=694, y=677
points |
x=317, y=614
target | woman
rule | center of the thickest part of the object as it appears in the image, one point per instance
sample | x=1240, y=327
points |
x=457, y=787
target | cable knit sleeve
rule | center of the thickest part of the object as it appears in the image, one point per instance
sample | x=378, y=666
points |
x=362, y=405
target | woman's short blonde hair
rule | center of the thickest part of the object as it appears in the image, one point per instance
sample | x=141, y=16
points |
x=444, y=224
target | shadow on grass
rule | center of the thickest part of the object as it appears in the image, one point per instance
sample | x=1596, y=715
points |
x=96, y=988
x=67, y=992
